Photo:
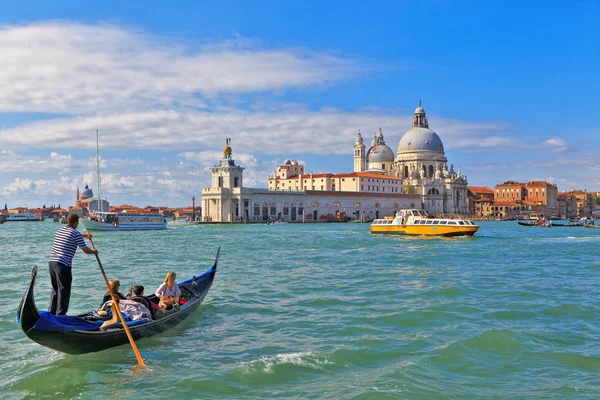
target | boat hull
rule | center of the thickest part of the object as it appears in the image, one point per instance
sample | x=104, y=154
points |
x=99, y=226
x=88, y=341
x=426, y=230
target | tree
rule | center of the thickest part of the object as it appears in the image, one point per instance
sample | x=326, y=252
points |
x=409, y=189
x=5, y=207
x=44, y=206
x=598, y=200
x=59, y=206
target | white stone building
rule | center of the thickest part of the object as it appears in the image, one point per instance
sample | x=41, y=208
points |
x=418, y=176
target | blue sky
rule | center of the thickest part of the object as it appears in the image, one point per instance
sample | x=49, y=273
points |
x=510, y=87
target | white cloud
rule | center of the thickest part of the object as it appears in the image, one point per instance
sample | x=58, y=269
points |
x=557, y=144
x=282, y=132
x=72, y=68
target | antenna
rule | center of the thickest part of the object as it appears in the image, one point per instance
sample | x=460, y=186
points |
x=98, y=172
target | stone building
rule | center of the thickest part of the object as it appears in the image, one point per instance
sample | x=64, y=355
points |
x=417, y=176
x=297, y=197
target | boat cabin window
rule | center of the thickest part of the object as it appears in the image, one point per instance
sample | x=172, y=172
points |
x=461, y=222
x=452, y=223
x=436, y=222
x=442, y=222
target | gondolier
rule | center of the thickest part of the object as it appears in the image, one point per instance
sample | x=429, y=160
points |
x=66, y=241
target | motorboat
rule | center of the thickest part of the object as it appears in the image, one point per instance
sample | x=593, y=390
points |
x=417, y=222
x=23, y=217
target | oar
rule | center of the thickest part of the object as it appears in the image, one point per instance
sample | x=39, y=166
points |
x=118, y=311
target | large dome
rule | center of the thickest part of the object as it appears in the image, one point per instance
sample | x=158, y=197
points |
x=419, y=139
x=380, y=153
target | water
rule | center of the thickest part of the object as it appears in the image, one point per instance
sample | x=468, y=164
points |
x=327, y=311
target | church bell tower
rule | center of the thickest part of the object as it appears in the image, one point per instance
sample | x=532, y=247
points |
x=359, y=154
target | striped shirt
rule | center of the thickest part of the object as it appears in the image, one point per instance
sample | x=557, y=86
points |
x=65, y=244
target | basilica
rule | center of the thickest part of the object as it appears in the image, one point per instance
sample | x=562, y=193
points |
x=421, y=165
x=415, y=176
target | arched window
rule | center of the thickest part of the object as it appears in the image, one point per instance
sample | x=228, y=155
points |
x=433, y=191
x=236, y=181
x=406, y=171
x=431, y=171
x=285, y=204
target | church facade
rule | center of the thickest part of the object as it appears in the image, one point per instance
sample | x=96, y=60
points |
x=416, y=176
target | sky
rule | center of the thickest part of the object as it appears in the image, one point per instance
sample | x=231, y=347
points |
x=510, y=87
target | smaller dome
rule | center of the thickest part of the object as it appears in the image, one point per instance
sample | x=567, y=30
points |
x=419, y=110
x=380, y=153
x=359, y=139
x=287, y=162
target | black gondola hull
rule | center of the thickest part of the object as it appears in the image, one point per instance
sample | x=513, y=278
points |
x=84, y=341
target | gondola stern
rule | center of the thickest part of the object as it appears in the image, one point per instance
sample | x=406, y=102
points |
x=28, y=313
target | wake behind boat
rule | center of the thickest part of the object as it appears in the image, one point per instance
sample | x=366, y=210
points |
x=81, y=334
x=109, y=221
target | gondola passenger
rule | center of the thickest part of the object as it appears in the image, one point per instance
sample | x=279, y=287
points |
x=138, y=295
x=168, y=292
x=115, y=285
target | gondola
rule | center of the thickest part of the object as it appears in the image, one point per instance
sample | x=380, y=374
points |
x=528, y=223
x=82, y=334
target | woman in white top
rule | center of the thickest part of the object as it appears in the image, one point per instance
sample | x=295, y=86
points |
x=168, y=292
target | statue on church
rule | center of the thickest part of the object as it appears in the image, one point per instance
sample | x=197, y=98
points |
x=227, y=149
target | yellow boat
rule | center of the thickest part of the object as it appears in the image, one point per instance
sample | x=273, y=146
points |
x=416, y=222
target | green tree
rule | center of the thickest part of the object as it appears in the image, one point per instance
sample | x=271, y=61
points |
x=5, y=206
x=409, y=189
x=598, y=200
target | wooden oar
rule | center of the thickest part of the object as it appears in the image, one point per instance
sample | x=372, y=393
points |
x=117, y=309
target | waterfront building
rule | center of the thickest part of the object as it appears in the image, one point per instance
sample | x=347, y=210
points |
x=417, y=176
x=513, y=199
x=480, y=200
x=567, y=205
x=586, y=202
x=295, y=196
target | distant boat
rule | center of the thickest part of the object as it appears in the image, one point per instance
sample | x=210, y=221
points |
x=23, y=217
x=417, y=222
x=109, y=221
x=528, y=222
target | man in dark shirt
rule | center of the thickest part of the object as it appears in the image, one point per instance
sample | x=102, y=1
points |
x=66, y=241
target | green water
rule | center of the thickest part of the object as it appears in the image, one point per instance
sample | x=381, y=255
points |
x=327, y=311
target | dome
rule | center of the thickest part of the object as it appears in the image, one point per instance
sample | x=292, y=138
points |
x=419, y=110
x=380, y=153
x=359, y=140
x=86, y=194
x=418, y=139
x=287, y=162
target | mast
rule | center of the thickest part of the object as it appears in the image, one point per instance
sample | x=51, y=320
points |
x=98, y=172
